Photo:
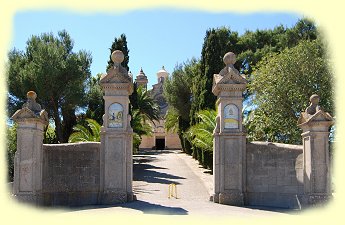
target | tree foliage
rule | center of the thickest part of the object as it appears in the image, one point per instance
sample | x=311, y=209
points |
x=144, y=104
x=171, y=120
x=177, y=88
x=201, y=134
x=88, y=133
x=95, y=102
x=49, y=135
x=282, y=84
x=11, y=133
x=178, y=93
x=254, y=45
x=217, y=42
x=57, y=74
x=140, y=127
x=144, y=110
x=250, y=48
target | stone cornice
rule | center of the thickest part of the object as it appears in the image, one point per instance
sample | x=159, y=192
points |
x=230, y=133
x=220, y=87
x=118, y=86
x=27, y=115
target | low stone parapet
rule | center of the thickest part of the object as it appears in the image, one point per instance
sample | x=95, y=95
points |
x=274, y=175
x=71, y=174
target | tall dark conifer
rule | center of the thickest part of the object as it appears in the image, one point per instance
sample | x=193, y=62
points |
x=216, y=43
x=120, y=44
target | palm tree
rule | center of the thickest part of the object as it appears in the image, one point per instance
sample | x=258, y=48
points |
x=143, y=108
x=201, y=134
x=140, y=127
x=201, y=137
x=171, y=120
x=85, y=134
x=142, y=101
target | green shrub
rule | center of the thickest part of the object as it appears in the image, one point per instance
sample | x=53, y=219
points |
x=207, y=159
x=11, y=133
x=50, y=136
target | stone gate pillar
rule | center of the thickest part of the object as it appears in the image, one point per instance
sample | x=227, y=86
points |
x=116, y=135
x=229, y=143
x=315, y=124
x=31, y=121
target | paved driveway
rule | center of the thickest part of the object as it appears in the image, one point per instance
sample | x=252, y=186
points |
x=155, y=170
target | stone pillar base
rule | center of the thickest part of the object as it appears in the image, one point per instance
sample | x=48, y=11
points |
x=315, y=199
x=112, y=197
x=215, y=198
x=30, y=198
x=230, y=198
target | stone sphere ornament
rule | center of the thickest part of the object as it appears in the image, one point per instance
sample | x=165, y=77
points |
x=31, y=95
x=314, y=99
x=229, y=58
x=117, y=56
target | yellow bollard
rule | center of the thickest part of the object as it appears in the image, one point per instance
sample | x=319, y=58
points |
x=172, y=188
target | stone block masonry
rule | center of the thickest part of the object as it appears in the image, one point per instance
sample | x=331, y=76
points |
x=71, y=174
x=274, y=174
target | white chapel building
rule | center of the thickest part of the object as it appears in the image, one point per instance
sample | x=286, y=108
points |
x=160, y=139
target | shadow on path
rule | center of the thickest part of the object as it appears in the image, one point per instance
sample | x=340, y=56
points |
x=144, y=171
x=154, y=152
x=141, y=173
x=273, y=209
x=149, y=208
x=143, y=159
x=145, y=207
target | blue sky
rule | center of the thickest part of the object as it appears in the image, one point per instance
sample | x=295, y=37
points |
x=155, y=37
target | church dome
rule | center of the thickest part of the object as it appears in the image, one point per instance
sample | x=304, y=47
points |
x=162, y=74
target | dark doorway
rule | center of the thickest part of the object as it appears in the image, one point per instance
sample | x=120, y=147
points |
x=160, y=143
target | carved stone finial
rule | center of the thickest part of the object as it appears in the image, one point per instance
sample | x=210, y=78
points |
x=314, y=113
x=116, y=74
x=229, y=58
x=31, y=102
x=31, y=110
x=314, y=105
x=31, y=95
x=117, y=56
x=229, y=74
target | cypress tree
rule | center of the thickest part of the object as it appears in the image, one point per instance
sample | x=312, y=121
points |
x=119, y=44
x=216, y=43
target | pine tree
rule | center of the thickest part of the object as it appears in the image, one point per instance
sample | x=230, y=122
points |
x=56, y=73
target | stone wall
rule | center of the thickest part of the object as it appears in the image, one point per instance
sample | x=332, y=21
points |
x=172, y=141
x=274, y=174
x=71, y=173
